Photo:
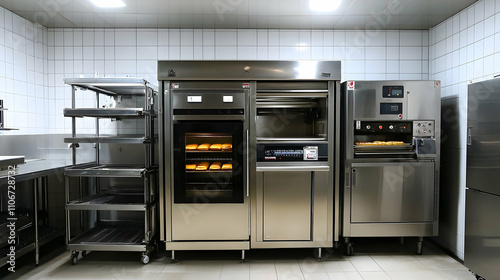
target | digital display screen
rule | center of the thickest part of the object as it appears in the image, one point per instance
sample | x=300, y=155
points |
x=391, y=108
x=393, y=92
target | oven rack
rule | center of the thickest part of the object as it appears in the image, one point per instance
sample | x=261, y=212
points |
x=384, y=147
x=107, y=112
x=112, y=86
x=209, y=183
x=107, y=170
x=109, y=139
x=118, y=202
x=210, y=171
x=209, y=159
x=210, y=191
x=208, y=151
x=111, y=238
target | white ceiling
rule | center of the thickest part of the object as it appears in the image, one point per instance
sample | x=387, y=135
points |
x=283, y=14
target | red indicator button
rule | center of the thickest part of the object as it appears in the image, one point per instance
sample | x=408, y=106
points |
x=380, y=127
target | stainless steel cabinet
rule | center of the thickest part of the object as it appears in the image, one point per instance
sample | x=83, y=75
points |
x=392, y=192
x=287, y=201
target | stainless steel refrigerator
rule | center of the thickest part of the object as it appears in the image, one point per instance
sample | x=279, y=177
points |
x=482, y=210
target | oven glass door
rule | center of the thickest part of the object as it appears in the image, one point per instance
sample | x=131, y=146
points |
x=208, y=162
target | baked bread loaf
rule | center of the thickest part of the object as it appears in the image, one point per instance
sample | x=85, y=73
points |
x=227, y=147
x=190, y=166
x=191, y=147
x=204, y=147
x=216, y=165
x=227, y=166
x=215, y=147
x=202, y=166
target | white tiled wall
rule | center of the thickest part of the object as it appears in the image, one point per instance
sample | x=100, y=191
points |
x=465, y=48
x=23, y=74
x=373, y=55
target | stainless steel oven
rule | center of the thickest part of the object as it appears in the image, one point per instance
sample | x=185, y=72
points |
x=275, y=187
x=391, y=137
x=205, y=166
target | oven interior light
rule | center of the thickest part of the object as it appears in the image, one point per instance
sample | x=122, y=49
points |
x=108, y=3
x=324, y=5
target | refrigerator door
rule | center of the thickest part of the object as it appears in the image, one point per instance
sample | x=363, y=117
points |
x=483, y=136
x=482, y=234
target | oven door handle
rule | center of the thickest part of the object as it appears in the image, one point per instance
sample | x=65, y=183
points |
x=208, y=117
x=293, y=168
x=248, y=164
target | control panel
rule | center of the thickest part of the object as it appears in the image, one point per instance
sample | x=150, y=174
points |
x=423, y=128
x=284, y=154
x=292, y=152
x=363, y=127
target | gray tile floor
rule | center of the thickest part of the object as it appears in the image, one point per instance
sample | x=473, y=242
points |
x=374, y=259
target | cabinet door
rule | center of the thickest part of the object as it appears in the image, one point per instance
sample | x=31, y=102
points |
x=287, y=205
x=392, y=192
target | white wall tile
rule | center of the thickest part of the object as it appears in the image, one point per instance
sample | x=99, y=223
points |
x=262, y=37
x=317, y=38
x=187, y=37
x=187, y=53
x=198, y=37
x=124, y=37
x=163, y=37
x=289, y=38
x=305, y=38
x=226, y=52
x=489, y=8
x=411, y=53
x=226, y=38
x=247, y=38
x=375, y=53
x=8, y=20
x=393, y=52
x=355, y=66
x=247, y=52
x=109, y=37
x=149, y=52
x=147, y=37
x=479, y=11
x=2, y=17
x=125, y=53
x=339, y=38
x=375, y=66
x=328, y=38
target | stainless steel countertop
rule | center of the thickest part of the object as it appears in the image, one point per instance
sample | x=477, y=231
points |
x=34, y=169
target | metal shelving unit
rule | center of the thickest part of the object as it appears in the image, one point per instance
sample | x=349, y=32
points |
x=117, y=234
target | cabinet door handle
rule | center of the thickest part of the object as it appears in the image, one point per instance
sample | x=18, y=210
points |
x=469, y=135
x=354, y=178
x=248, y=164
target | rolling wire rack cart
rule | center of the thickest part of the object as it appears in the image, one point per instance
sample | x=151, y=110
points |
x=116, y=199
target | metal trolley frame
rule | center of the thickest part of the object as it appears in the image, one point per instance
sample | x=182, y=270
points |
x=120, y=234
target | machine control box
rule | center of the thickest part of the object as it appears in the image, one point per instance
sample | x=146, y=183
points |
x=311, y=153
x=292, y=152
x=383, y=127
x=423, y=129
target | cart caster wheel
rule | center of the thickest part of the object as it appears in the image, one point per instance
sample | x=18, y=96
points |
x=145, y=259
x=84, y=253
x=478, y=277
x=349, y=249
x=419, y=248
x=74, y=258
